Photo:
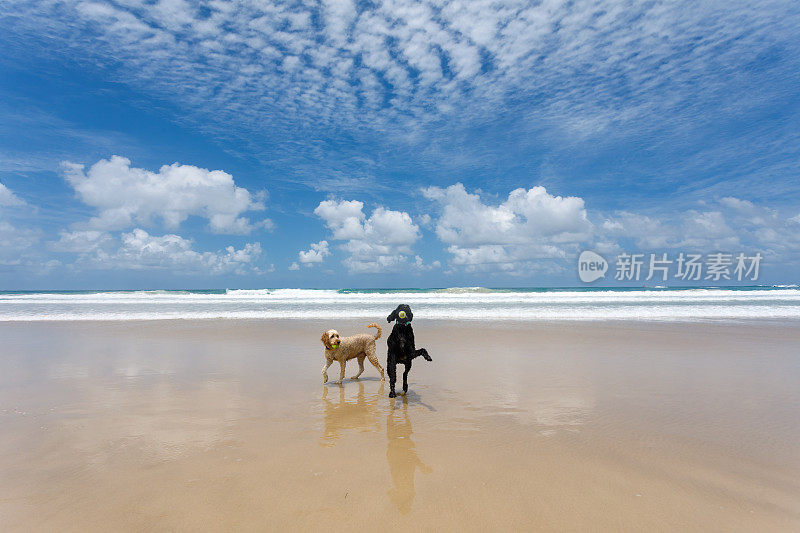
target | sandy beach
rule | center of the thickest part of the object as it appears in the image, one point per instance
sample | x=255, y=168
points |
x=218, y=425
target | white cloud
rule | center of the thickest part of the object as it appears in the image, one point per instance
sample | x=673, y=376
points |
x=8, y=198
x=18, y=250
x=378, y=243
x=294, y=266
x=730, y=225
x=81, y=241
x=533, y=230
x=316, y=254
x=126, y=196
x=706, y=230
x=138, y=250
x=422, y=265
x=647, y=232
x=529, y=225
x=14, y=239
x=589, y=63
x=736, y=203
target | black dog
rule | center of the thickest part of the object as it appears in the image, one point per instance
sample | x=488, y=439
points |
x=401, y=347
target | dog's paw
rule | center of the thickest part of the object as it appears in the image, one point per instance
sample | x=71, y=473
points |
x=392, y=394
x=324, y=378
x=354, y=377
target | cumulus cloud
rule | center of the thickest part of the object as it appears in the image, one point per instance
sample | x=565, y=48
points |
x=529, y=225
x=127, y=196
x=379, y=243
x=315, y=254
x=729, y=225
x=8, y=198
x=534, y=230
x=138, y=250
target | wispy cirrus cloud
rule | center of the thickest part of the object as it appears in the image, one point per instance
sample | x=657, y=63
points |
x=412, y=69
x=327, y=60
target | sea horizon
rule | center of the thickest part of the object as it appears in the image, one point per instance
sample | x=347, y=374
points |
x=465, y=288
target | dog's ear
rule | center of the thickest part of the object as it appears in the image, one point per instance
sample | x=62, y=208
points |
x=409, y=315
x=393, y=316
x=326, y=340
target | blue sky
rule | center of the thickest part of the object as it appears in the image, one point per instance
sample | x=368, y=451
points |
x=148, y=144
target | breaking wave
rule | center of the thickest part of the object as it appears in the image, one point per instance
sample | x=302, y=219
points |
x=456, y=303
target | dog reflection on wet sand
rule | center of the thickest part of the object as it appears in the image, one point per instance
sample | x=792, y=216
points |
x=401, y=454
x=361, y=414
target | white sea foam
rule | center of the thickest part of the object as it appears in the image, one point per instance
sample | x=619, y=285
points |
x=471, y=303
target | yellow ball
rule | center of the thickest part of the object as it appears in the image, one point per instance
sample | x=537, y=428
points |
x=401, y=314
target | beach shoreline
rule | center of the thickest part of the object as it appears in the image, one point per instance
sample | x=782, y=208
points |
x=713, y=304
x=207, y=425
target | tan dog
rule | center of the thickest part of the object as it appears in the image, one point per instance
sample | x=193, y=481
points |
x=343, y=349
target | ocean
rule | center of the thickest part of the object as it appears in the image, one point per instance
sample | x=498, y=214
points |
x=461, y=303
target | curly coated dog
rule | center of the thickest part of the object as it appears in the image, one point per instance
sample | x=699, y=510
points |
x=401, y=347
x=343, y=349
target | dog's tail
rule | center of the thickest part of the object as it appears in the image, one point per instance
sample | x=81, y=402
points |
x=374, y=325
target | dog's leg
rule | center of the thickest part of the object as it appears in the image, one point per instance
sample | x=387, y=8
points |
x=342, y=362
x=360, y=367
x=328, y=363
x=424, y=353
x=374, y=360
x=405, y=377
x=392, y=370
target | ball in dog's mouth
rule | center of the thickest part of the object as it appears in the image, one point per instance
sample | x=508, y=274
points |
x=401, y=314
x=334, y=346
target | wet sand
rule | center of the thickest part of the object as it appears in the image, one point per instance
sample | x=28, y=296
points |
x=219, y=425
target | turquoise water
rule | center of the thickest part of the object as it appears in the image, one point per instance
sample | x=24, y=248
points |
x=414, y=290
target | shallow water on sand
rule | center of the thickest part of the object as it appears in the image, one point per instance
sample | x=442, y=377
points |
x=216, y=425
